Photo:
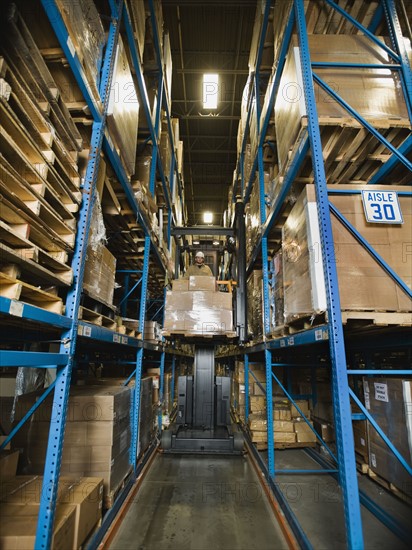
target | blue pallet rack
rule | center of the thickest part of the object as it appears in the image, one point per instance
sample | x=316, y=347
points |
x=342, y=466
x=69, y=324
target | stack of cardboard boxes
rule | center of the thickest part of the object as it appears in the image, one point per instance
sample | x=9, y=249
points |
x=289, y=426
x=195, y=308
x=78, y=511
x=97, y=435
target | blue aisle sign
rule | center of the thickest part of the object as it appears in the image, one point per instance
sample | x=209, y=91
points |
x=382, y=207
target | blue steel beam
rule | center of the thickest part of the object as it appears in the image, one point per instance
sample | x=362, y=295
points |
x=376, y=19
x=364, y=30
x=277, y=207
x=103, y=334
x=392, y=372
x=44, y=531
x=336, y=65
x=33, y=359
x=386, y=169
x=332, y=191
x=341, y=404
x=277, y=76
x=22, y=310
x=161, y=391
x=139, y=358
x=364, y=122
x=138, y=69
x=398, y=41
x=28, y=415
x=371, y=251
x=385, y=438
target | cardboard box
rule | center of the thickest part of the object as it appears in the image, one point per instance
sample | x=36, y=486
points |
x=99, y=274
x=257, y=403
x=283, y=426
x=366, y=90
x=202, y=283
x=8, y=464
x=180, y=284
x=19, y=524
x=361, y=439
x=389, y=401
x=303, y=405
x=257, y=422
x=325, y=430
x=282, y=414
x=285, y=437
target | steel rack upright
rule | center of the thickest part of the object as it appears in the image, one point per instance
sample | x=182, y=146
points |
x=343, y=466
x=69, y=326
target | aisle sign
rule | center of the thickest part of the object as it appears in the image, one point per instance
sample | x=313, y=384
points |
x=382, y=207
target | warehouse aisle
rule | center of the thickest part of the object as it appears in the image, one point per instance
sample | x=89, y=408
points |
x=200, y=503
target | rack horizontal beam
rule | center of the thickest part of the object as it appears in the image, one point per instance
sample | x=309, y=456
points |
x=32, y=359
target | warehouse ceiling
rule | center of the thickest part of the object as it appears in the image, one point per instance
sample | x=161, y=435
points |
x=208, y=37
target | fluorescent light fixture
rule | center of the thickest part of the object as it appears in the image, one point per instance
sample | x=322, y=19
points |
x=215, y=243
x=207, y=217
x=196, y=242
x=210, y=90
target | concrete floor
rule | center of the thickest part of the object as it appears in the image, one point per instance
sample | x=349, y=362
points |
x=317, y=503
x=199, y=503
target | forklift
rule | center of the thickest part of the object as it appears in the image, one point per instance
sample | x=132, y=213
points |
x=203, y=422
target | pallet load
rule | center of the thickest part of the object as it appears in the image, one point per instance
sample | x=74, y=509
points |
x=374, y=94
x=366, y=290
x=78, y=510
x=97, y=436
x=289, y=428
x=195, y=308
x=388, y=400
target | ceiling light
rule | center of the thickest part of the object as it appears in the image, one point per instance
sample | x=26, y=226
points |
x=210, y=90
x=196, y=242
x=215, y=243
x=207, y=217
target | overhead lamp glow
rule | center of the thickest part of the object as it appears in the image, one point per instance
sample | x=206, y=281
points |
x=207, y=217
x=210, y=90
x=215, y=243
x=196, y=242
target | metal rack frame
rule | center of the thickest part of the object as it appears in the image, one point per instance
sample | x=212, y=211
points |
x=69, y=324
x=333, y=331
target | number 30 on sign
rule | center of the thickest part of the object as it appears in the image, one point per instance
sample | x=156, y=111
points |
x=382, y=207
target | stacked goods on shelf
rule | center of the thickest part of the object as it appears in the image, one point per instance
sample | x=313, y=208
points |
x=149, y=54
x=289, y=427
x=123, y=110
x=165, y=150
x=23, y=494
x=100, y=269
x=40, y=146
x=277, y=302
x=87, y=37
x=267, y=53
x=167, y=68
x=363, y=284
x=388, y=400
x=147, y=416
x=138, y=17
x=256, y=374
x=375, y=95
x=195, y=307
x=255, y=303
x=152, y=332
x=13, y=516
x=97, y=435
x=360, y=436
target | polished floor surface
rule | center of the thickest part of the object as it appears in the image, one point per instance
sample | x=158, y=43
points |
x=199, y=503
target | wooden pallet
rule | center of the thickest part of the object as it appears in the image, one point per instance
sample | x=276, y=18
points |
x=97, y=319
x=189, y=334
x=364, y=319
x=351, y=154
x=263, y=446
x=110, y=498
x=362, y=462
x=23, y=292
x=389, y=486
